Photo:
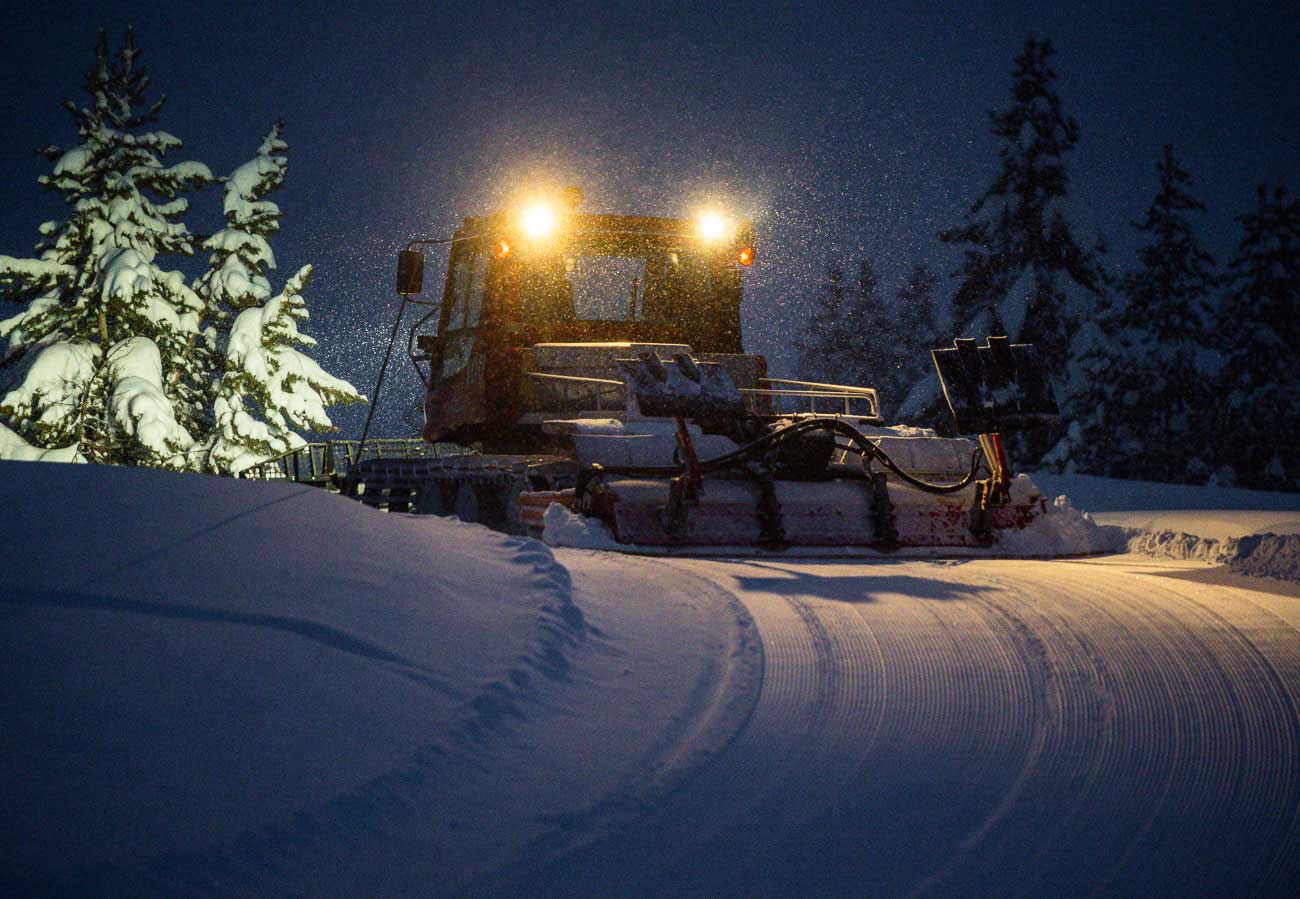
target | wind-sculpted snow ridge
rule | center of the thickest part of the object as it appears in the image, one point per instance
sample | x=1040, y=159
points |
x=1257, y=555
x=212, y=680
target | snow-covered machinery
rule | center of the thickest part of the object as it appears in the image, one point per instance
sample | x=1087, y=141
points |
x=596, y=360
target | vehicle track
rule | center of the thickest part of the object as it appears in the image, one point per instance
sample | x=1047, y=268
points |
x=990, y=728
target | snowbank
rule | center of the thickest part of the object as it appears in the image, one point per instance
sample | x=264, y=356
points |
x=1252, y=532
x=1097, y=494
x=226, y=687
x=1062, y=531
x=1258, y=555
x=203, y=674
x=560, y=527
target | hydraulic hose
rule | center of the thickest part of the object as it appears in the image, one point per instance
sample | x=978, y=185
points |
x=861, y=444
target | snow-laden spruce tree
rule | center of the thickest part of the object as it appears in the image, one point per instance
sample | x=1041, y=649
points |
x=843, y=341
x=818, y=353
x=1024, y=274
x=1259, y=437
x=1147, y=369
x=913, y=330
x=268, y=386
x=102, y=364
x=1017, y=234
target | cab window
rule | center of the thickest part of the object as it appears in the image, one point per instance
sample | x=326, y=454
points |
x=474, y=292
x=468, y=280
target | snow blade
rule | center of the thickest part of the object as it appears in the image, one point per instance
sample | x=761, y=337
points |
x=998, y=387
x=682, y=388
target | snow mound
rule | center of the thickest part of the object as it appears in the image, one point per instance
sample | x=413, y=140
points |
x=1267, y=555
x=1062, y=531
x=15, y=447
x=204, y=674
x=560, y=527
x=1257, y=555
x=1251, y=532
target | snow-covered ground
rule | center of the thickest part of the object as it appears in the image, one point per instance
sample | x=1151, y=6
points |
x=229, y=687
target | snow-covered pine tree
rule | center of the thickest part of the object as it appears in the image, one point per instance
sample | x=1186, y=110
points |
x=818, y=351
x=241, y=251
x=267, y=386
x=867, y=334
x=1142, y=373
x=1158, y=392
x=103, y=362
x=913, y=330
x=843, y=341
x=1017, y=225
x=1024, y=273
x=1260, y=435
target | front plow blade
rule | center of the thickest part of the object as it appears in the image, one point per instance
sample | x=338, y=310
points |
x=996, y=388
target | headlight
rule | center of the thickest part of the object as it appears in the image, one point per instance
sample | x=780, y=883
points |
x=713, y=226
x=537, y=222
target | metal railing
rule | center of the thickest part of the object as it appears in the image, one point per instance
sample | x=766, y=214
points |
x=327, y=463
x=576, y=393
x=807, y=393
x=779, y=396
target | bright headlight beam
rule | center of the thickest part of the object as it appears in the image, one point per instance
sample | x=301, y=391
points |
x=711, y=226
x=538, y=221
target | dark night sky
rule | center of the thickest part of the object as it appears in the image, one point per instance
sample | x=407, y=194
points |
x=842, y=129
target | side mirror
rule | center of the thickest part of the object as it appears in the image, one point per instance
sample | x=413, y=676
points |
x=410, y=272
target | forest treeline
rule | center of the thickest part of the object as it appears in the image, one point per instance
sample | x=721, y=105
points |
x=1173, y=366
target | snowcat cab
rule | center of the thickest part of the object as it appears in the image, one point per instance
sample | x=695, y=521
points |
x=561, y=295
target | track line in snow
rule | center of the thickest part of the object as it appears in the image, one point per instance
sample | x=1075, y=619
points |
x=1196, y=728
x=712, y=714
x=994, y=727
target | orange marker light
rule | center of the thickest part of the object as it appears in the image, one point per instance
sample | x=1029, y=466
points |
x=746, y=256
x=502, y=250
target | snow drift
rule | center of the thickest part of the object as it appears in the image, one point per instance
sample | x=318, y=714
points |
x=202, y=673
x=1251, y=532
x=229, y=687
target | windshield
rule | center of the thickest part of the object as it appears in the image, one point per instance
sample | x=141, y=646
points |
x=583, y=284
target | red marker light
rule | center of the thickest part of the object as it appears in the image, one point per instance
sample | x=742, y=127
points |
x=502, y=250
x=746, y=256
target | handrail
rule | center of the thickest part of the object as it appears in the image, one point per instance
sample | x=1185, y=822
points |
x=586, y=380
x=816, y=391
x=843, y=388
x=323, y=462
x=781, y=387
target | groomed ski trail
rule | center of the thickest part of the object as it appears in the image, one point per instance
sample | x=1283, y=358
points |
x=1112, y=725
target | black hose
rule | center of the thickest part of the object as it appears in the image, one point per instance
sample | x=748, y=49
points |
x=861, y=444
